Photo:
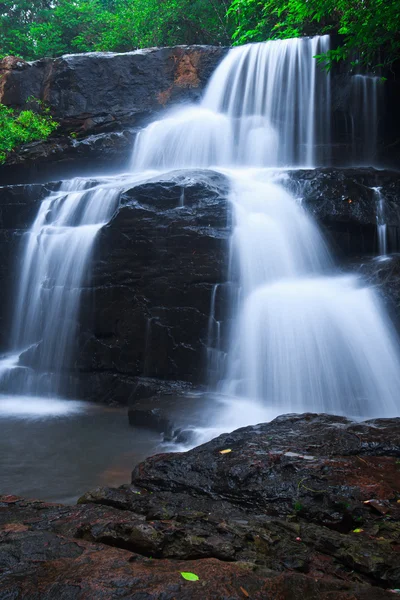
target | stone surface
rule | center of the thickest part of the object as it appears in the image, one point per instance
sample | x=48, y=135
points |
x=345, y=205
x=303, y=508
x=98, y=92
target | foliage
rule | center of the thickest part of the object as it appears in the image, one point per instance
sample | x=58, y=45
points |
x=54, y=27
x=368, y=29
x=25, y=126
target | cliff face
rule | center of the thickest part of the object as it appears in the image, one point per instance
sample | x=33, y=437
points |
x=99, y=98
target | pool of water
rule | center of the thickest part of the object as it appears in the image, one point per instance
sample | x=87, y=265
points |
x=55, y=450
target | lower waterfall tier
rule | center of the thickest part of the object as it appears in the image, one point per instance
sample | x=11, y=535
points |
x=156, y=249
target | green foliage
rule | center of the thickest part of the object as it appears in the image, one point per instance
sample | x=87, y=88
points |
x=54, y=27
x=368, y=29
x=25, y=126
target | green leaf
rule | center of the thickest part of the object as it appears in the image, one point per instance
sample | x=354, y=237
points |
x=190, y=576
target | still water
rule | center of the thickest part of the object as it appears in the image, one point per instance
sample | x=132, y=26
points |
x=55, y=450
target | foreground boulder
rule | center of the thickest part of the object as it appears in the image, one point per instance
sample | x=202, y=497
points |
x=303, y=508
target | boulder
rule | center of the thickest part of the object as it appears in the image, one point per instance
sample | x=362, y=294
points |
x=303, y=508
x=94, y=94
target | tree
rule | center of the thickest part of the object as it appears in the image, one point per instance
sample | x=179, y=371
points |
x=368, y=29
x=55, y=27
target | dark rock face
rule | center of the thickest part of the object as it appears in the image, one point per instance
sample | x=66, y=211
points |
x=345, y=205
x=152, y=279
x=303, y=508
x=90, y=94
x=97, y=88
x=143, y=323
x=61, y=157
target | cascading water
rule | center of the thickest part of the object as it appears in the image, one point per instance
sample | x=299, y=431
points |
x=266, y=105
x=303, y=337
x=366, y=101
x=55, y=263
x=381, y=222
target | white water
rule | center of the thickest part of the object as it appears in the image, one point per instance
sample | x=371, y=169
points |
x=55, y=262
x=366, y=106
x=381, y=222
x=304, y=338
x=266, y=105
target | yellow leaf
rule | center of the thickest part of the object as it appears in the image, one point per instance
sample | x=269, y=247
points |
x=225, y=451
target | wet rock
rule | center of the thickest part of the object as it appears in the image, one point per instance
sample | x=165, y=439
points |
x=344, y=203
x=60, y=157
x=97, y=88
x=303, y=507
x=97, y=93
x=78, y=570
x=152, y=279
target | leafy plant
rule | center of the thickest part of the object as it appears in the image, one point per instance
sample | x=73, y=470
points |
x=17, y=128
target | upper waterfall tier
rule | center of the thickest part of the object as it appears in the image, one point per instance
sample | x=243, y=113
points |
x=266, y=105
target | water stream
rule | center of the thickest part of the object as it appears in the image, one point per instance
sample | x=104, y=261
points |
x=381, y=223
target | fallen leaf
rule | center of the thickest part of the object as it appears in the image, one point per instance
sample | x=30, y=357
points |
x=225, y=451
x=190, y=576
x=357, y=530
x=245, y=592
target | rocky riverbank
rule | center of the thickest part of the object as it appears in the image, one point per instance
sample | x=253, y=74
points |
x=305, y=507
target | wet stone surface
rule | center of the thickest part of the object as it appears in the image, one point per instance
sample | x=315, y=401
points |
x=304, y=507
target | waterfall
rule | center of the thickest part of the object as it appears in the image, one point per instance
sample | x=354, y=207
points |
x=55, y=262
x=303, y=337
x=381, y=222
x=266, y=105
x=366, y=95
